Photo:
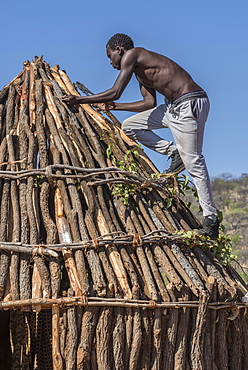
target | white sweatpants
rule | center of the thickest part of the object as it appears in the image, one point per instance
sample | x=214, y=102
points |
x=186, y=121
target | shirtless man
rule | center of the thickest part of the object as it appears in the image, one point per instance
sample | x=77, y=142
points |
x=184, y=111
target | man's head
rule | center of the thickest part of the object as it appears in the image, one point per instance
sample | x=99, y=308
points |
x=116, y=48
x=121, y=40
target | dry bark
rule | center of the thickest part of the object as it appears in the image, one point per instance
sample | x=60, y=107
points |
x=170, y=332
x=181, y=341
x=57, y=359
x=84, y=350
x=104, y=360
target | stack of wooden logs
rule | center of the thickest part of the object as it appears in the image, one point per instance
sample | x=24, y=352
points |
x=89, y=281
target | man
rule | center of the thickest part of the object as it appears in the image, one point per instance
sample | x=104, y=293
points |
x=184, y=111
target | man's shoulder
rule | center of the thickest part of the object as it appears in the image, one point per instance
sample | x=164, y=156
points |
x=135, y=54
x=136, y=51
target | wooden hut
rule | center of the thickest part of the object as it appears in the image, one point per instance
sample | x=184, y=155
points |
x=92, y=272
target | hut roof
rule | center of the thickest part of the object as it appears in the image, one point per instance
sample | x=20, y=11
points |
x=88, y=222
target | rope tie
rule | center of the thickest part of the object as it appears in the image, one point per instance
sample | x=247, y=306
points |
x=95, y=243
x=38, y=250
x=152, y=304
x=137, y=241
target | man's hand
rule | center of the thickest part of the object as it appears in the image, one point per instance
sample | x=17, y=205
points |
x=106, y=106
x=70, y=99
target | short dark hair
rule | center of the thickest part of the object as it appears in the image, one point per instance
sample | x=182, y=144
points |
x=120, y=39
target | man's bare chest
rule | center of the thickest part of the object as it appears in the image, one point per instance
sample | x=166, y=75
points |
x=145, y=77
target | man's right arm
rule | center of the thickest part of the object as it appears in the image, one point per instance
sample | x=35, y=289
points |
x=148, y=102
x=115, y=92
x=107, y=97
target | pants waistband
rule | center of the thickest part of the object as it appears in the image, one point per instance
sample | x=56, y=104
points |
x=191, y=95
x=197, y=94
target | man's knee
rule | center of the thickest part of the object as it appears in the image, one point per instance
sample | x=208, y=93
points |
x=195, y=164
x=127, y=127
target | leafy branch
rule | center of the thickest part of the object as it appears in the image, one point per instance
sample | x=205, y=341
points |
x=123, y=190
x=221, y=248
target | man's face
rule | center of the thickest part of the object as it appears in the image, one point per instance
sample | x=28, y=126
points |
x=115, y=57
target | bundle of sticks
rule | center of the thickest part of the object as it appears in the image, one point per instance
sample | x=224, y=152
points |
x=91, y=270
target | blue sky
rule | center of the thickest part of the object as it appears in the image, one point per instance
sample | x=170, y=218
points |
x=207, y=38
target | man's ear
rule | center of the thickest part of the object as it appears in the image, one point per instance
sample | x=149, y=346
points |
x=120, y=50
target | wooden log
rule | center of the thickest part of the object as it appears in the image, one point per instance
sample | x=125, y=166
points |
x=130, y=266
x=14, y=278
x=91, y=138
x=57, y=359
x=104, y=362
x=239, y=281
x=45, y=276
x=149, y=215
x=111, y=302
x=238, y=288
x=244, y=336
x=36, y=287
x=69, y=212
x=10, y=109
x=4, y=93
x=212, y=270
x=194, y=262
x=147, y=276
x=84, y=350
x=124, y=216
x=65, y=237
x=71, y=89
x=222, y=325
x=235, y=348
x=88, y=92
x=213, y=321
x=191, y=277
x=156, y=358
x=156, y=202
x=4, y=256
x=179, y=268
x=104, y=204
x=197, y=346
x=82, y=272
x=7, y=293
x=157, y=275
x=146, y=345
x=120, y=272
x=209, y=347
x=71, y=339
x=32, y=101
x=97, y=274
x=136, y=340
x=2, y=121
x=62, y=334
x=39, y=121
x=111, y=208
x=128, y=336
x=14, y=263
x=24, y=276
x=113, y=288
x=21, y=351
x=118, y=339
x=3, y=151
x=182, y=331
x=169, y=334
x=76, y=205
x=167, y=267
x=32, y=202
